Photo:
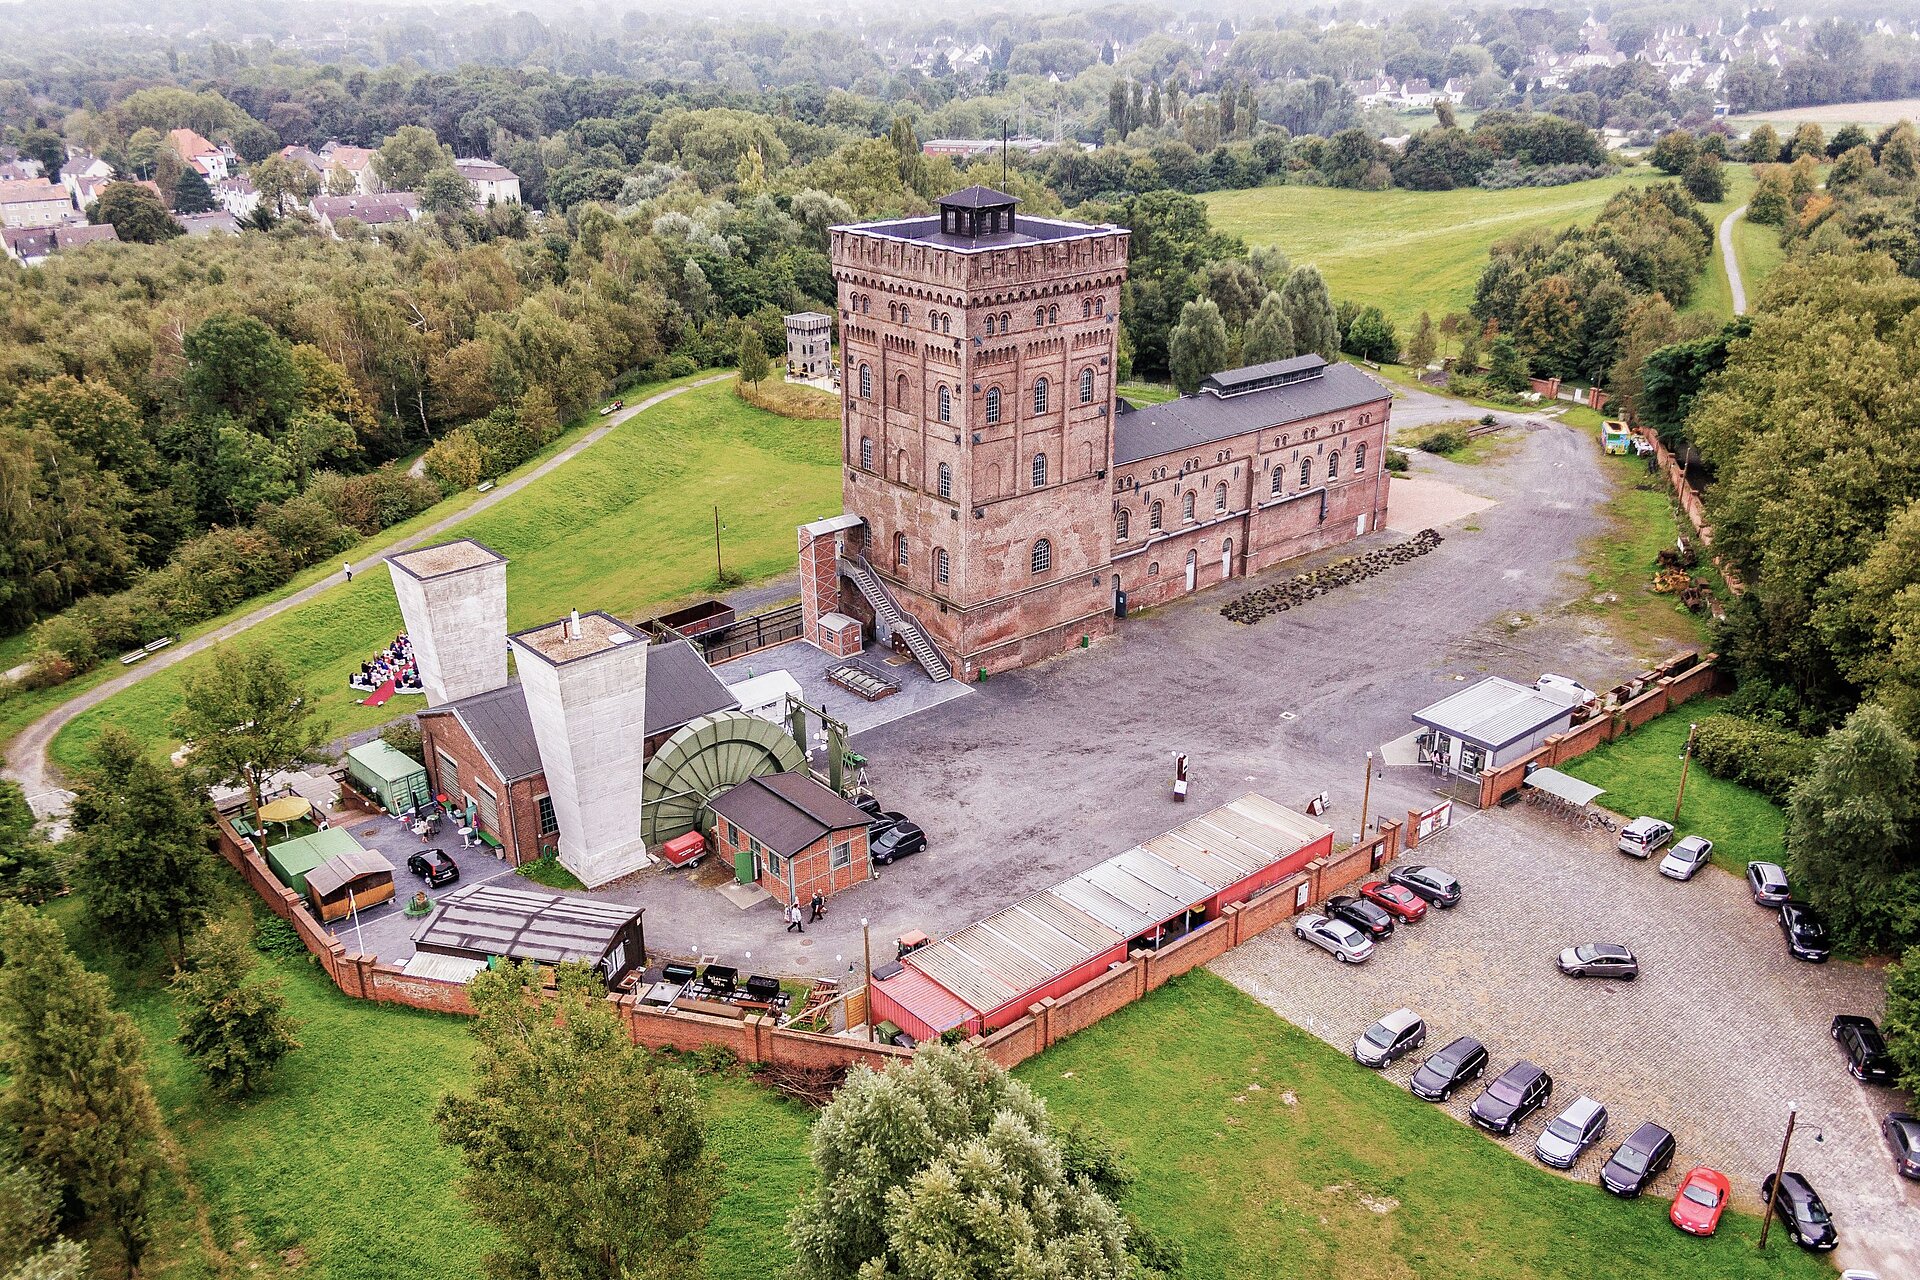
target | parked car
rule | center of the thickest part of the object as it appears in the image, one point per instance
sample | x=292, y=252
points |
x=1431, y=883
x=881, y=821
x=897, y=841
x=867, y=803
x=1599, y=960
x=1459, y=1062
x=435, y=866
x=1805, y=931
x=1370, y=918
x=1767, y=881
x=1348, y=944
x=1901, y=1129
x=1393, y=1037
x=1699, y=1201
x=1396, y=898
x=1688, y=855
x=1569, y=1134
x=1866, y=1049
x=1637, y=1161
x=1801, y=1212
x=1515, y=1094
x=1642, y=836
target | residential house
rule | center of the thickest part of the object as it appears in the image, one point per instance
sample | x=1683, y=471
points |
x=198, y=152
x=1455, y=90
x=29, y=246
x=34, y=203
x=83, y=175
x=309, y=159
x=1417, y=94
x=391, y=208
x=1375, y=92
x=356, y=163
x=237, y=195
x=218, y=222
x=491, y=183
x=17, y=166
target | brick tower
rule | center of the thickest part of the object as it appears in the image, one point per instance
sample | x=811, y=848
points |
x=978, y=352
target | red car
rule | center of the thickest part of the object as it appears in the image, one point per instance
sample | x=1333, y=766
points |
x=1398, y=899
x=1697, y=1204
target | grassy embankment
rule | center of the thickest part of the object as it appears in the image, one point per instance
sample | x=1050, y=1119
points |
x=626, y=525
x=18, y=709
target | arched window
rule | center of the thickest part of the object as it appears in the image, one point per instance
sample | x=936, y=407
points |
x=1006, y=323
x=900, y=392
x=1039, y=470
x=1086, y=308
x=900, y=549
x=1039, y=316
x=1220, y=496
x=893, y=313
x=1042, y=556
x=1279, y=479
x=1099, y=306
x=866, y=382
x=1186, y=505
x=990, y=324
x=1053, y=315
x=1120, y=525
x=945, y=480
x=906, y=316
x=941, y=568
x=946, y=322
x=1306, y=472
x=1086, y=385
x=1153, y=570
x=993, y=404
x=1359, y=458
x=1333, y=465
x=1153, y=518
x=866, y=453
x=944, y=400
x=1040, y=389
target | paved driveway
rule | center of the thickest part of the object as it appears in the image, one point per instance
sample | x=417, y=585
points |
x=1722, y=1030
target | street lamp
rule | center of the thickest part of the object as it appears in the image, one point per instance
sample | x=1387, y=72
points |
x=866, y=947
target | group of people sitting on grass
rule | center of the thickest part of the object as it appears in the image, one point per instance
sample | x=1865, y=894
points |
x=395, y=663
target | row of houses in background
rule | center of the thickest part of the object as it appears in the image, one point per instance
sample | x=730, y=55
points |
x=338, y=165
x=1408, y=95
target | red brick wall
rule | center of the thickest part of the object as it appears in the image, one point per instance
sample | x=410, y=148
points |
x=813, y=869
x=518, y=827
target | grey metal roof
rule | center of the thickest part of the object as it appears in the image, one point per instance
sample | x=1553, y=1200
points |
x=1151, y=430
x=342, y=869
x=786, y=812
x=681, y=687
x=1256, y=376
x=1564, y=785
x=927, y=230
x=1494, y=713
x=484, y=920
x=978, y=197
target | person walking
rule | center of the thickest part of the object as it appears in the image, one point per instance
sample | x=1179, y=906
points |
x=818, y=908
x=793, y=919
x=348, y=566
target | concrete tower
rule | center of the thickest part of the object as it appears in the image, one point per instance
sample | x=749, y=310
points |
x=586, y=682
x=453, y=598
x=979, y=350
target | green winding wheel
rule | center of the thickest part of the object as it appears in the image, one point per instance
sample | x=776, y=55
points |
x=703, y=759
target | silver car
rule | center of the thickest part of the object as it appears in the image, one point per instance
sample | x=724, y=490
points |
x=1688, y=855
x=1348, y=944
x=1569, y=1134
x=1641, y=837
x=1394, y=1036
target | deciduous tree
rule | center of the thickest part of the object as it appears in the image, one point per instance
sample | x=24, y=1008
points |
x=233, y=1026
x=1198, y=345
x=583, y=1151
x=1269, y=333
x=136, y=214
x=1421, y=346
x=1849, y=832
x=244, y=719
x=408, y=156
x=1310, y=311
x=754, y=365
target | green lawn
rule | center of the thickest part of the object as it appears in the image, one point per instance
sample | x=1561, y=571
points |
x=1413, y=251
x=1641, y=773
x=626, y=525
x=1714, y=295
x=1759, y=251
x=1266, y=1152
x=1144, y=393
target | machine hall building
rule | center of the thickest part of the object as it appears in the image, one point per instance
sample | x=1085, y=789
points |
x=1000, y=502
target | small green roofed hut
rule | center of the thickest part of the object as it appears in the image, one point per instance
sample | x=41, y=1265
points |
x=292, y=859
x=390, y=776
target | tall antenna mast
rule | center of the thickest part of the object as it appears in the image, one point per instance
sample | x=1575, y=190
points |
x=1003, y=153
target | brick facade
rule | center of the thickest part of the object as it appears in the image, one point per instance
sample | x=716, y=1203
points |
x=806, y=873
x=517, y=809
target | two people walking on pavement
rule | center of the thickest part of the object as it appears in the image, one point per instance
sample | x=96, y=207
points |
x=817, y=908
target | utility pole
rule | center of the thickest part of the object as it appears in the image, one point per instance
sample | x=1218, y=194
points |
x=719, y=575
x=1366, y=795
x=1779, y=1168
x=1686, y=759
x=866, y=947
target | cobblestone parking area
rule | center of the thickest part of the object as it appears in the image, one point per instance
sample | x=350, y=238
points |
x=1721, y=1031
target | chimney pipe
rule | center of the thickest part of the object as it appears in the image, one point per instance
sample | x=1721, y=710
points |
x=573, y=625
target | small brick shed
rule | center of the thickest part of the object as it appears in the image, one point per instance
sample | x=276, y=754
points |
x=802, y=837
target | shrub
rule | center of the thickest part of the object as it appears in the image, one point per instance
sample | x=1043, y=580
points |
x=1754, y=754
x=1442, y=438
x=277, y=938
x=1397, y=462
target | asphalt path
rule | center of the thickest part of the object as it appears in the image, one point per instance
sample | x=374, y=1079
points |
x=1734, y=282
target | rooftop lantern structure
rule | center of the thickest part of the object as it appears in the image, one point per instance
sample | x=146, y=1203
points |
x=977, y=212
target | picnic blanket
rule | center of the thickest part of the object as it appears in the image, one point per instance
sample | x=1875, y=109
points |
x=379, y=696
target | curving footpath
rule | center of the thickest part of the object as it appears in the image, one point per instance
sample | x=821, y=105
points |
x=1734, y=283
x=27, y=762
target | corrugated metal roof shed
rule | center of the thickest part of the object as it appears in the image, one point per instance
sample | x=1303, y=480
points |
x=492, y=920
x=1216, y=862
x=926, y=1000
x=961, y=974
x=1494, y=713
x=1159, y=874
x=1127, y=905
x=1077, y=925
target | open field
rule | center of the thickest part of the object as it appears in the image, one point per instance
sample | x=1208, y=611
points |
x=1760, y=255
x=1641, y=773
x=1884, y=112
x=1713, y=295
x=626, y=525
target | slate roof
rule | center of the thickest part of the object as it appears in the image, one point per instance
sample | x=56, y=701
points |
x=483, y=171
x=786, y=812
x=1151, y=430
x=978, y=197
x=680, y=687
x=389, y=206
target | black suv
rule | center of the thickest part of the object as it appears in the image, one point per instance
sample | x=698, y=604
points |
x=1369, y=919
x=1457, y=1063
x=1516, y=1094
x=1865, y=1048
x=1801, y=1213
x=1431, y=883
x=1806, y=932
x=1637, y=1161
x=435, y=866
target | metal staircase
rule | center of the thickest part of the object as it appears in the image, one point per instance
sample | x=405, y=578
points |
x=896, y=618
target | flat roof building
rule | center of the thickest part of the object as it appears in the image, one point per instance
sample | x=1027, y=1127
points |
x=1489, y=724
x=484, y=921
